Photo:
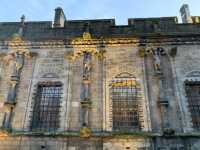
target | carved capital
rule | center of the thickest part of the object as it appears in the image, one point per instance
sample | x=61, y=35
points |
x=13, y=83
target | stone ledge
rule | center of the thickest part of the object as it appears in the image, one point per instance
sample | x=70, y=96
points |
x=104, y=134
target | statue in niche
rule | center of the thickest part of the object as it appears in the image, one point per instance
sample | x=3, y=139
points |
x=85, y=94
x=86, y=66
x=157, y=63
x=17, y=67
x=18, y=64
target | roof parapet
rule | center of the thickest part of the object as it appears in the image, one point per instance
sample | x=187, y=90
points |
x=151, y=21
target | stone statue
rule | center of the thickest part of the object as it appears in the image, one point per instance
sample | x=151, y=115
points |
x=85, y=95
x=15, y=77
x=86, y=66
x=157, y=62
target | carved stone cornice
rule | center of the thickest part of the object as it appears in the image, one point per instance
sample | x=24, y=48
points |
x=94, y=42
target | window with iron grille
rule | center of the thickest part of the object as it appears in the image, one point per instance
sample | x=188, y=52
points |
x=46, y=107
x=193, y=96
x=125, y=103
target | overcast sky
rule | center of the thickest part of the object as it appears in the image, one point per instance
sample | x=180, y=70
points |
x=121, y=10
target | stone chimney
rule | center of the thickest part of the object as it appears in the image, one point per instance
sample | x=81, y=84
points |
x=59, y=19
x=185, y=14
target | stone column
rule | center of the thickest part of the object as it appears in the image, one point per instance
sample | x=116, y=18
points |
x=15, y=77
x=163, y=101
x=85, y=96
x=14, y=82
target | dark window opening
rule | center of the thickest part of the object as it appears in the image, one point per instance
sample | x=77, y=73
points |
x=193, y=96
x=125, y=104
x=46, y=107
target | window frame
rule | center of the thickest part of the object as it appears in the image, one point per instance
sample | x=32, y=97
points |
x=193, y=107
x=45, y=106
x=129, y=90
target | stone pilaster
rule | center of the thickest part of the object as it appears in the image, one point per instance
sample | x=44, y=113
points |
x=85, y=97
x=17, y=55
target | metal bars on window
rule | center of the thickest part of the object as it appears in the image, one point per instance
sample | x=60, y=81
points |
x=193, y=95
x=46, y=107
x=125, y=104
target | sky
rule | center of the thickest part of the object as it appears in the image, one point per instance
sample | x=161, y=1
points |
x=120, y=10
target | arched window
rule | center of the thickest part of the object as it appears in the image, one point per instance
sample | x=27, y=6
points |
x=125, y=97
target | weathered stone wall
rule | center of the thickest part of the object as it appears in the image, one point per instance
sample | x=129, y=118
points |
x=52, y=65
x=162, y=87
x=23, y=95
x=129, y=143
x=124, y=59
x=185, y=64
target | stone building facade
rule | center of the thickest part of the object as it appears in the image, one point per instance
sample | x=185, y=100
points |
x=94, y=85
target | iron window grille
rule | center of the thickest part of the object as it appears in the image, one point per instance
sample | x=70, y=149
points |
x=46, y=107
x=193, y=96
x=125, y=103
